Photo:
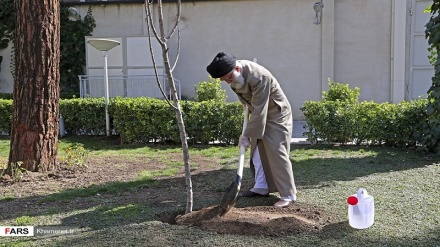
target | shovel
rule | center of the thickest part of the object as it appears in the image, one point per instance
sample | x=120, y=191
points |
x=230, y=196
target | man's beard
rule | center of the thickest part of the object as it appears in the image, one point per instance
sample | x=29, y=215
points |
x=238, y=81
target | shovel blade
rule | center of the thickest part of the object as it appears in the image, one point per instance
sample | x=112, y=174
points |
x=229, y=198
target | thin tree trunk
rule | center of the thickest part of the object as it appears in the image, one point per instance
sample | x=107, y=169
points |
x=182, y=130
x=162, y=39
x=34, y=135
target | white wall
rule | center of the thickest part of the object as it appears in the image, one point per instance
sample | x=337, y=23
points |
x=116, y=19
x=363, y=47
x=6, y=81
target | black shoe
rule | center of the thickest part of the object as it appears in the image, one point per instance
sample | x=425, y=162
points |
x=253, y=194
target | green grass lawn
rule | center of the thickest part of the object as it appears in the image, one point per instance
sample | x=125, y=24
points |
x=404, y=184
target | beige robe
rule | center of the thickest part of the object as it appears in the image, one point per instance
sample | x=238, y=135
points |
x=270, y=125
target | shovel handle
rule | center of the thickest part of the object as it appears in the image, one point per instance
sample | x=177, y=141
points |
x=242, y=149
x=246, y=119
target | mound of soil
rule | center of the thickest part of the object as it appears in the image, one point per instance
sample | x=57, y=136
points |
x=258, y=220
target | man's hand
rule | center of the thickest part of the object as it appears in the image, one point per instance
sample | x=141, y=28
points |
x=244, y=142
x=244, y=107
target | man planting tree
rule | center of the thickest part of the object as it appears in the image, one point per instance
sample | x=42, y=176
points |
x=269, y=129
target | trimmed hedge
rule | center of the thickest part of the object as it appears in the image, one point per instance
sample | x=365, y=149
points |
x=146, y=120
x=84, y=116
x=153, y=120
x=345, y=120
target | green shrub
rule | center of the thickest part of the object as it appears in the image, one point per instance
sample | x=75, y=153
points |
x=332, y=119
x=6, y=110
x=210, y=90
x=153, y=120
x=75, y=157
x=339, y=117
x=429, y=135
x=144, y=120
x=232, y=123
x=328, y=121
x=365, y=124
x=5, y=95
x=84, y=116
x=341, y=92
x=73, y=50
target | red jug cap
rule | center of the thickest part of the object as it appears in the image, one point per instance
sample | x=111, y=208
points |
x=352, y=200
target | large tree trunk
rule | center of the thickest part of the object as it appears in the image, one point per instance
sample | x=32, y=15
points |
x=34, y=135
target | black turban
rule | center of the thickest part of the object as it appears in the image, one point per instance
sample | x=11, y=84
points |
x=222, y=64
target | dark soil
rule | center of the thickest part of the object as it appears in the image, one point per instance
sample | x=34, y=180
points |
x=258, y=220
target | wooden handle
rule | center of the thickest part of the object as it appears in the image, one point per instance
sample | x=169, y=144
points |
x=242, y=149
x=246, y=119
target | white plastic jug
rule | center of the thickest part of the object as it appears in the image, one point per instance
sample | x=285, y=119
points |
x=361, y=210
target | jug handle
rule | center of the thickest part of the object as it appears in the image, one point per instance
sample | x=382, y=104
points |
x=362, y=191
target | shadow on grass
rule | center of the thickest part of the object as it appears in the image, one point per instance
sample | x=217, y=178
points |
x=103, y=143
x=120, y=203
x=309, y=172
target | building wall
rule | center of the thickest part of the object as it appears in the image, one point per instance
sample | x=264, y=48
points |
x=363, y=47
x=352, y=45
x=6, y=81
x=116, y=19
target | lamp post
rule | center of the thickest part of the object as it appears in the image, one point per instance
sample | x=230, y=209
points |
x=105, y=45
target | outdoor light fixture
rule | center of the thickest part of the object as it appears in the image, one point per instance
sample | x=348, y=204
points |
x=105, y=45
x=318, y=6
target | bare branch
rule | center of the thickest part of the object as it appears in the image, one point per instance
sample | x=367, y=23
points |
x=150, y=22
x=156, y=74
x=161, y=26
x=178, y=50
x=177, y=20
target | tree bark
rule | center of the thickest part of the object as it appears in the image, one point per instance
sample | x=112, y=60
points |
x=35, y=124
